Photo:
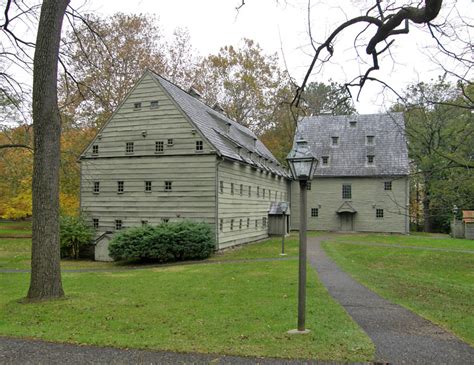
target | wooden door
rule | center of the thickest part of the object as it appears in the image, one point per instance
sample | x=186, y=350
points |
x=346, y=222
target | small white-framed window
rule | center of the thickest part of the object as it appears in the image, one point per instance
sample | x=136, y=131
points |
x=264, y=193
x=148, y=186
x=129, y=147
x=370, y=159
x=308, y=185
x=95, y=223
x=240, y=223
x=170, y=142
x=120, y=187
x=221, y=183
x=248, y=222
x=353, y=123
x=96, y=188
x=221, y=224
x=241, y=189
x=264, y=222
x=370, y=140
x=335, y=140
x=159, y=146
x=325, y=160
x=232, y=188
x=168, y=185
x=379, y=213
x=95, y=149
x=258, y=191
x=118, y=224
x=231, y=224
x=256, y=223
x=387, y=185
x=154, y=104
x=137, y=105
x=144, y=222
x=314, y=212
x=165, y=220
x=250, y=191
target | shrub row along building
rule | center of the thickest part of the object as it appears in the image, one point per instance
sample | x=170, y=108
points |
x=164, y=155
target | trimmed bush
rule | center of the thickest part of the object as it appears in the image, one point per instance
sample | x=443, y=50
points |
x=74, y=233
x=167, y=242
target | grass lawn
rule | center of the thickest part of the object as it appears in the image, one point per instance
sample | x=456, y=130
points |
x=228, y=308
x=435, y=284
x=14, y=229
x=418, y=240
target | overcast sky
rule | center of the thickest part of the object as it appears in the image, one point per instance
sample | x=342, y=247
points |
x=282, y=27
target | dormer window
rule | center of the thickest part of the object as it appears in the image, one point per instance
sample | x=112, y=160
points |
x=325, y=160
x=353, y=123
x=370, y=159
x=370, y=140
x=335, y=141
x=199, y=146
x=95, y=149
x=154, y=104
x=137, y=106
x=129, y=147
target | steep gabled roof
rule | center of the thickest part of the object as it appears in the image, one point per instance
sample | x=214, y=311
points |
x=231, y=139
x=349, y=157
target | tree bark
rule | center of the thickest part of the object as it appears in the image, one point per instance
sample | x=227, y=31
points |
x=45, y=256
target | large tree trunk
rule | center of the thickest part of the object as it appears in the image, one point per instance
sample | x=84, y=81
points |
x=45, y=256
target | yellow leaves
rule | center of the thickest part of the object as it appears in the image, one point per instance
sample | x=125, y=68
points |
x=16, y=173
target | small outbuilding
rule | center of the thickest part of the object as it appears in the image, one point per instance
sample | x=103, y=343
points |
x=468, y=221
x=279, y=219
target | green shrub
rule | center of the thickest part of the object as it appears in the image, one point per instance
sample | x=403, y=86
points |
x=179, y=241
x=74, y=233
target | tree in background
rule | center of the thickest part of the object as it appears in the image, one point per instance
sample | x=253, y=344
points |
x=440, y=131
x=332, y=98
x=103, y=65
x=245, y=82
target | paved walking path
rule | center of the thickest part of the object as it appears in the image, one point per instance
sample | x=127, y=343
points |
x=23, y=351
x=399, y=335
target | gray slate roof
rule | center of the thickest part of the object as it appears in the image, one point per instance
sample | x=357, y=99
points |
x=349, y=158
x=279, y=208
x=230, y=139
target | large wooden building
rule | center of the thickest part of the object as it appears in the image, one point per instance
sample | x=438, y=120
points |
x=164, y=155
x=361, y=183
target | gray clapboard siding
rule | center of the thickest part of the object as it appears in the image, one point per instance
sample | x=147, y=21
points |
x=161, y=123
x=368, y=194
x=190, y=198
x=236, y=206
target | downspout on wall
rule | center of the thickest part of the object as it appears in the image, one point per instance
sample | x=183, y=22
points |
x=407, y=206
x=216, y=190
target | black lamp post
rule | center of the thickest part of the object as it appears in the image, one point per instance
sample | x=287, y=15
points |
x=302, y=165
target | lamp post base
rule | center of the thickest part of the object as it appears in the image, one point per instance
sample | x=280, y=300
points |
x=298, y=332
x=283, y=254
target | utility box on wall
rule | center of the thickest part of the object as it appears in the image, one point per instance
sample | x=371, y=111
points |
x=279, y=219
